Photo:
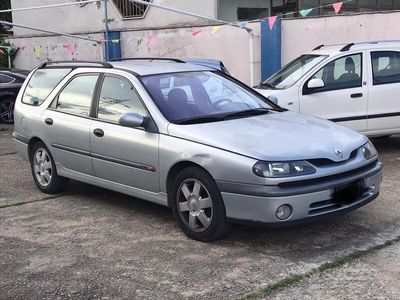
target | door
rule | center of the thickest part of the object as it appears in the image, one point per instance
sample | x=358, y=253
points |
x=384, y=92
x=120, y=154
x=344, y=96
x=67, y=124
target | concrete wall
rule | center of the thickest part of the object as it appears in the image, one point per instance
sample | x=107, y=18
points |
x=302, y=35
x=229, y=44
x=76, y=19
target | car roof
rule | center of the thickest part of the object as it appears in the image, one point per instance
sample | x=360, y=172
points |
x=148, y=67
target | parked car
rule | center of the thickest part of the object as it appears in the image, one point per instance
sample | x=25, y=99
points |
x=356, y=85
x=10, y=83
x=213, y=160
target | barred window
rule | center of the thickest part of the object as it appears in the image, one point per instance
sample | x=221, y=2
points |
x=130, y=9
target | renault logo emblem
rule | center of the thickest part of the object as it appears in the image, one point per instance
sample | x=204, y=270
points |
x=338, y=152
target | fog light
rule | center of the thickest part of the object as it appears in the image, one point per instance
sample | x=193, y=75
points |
x=283, y=212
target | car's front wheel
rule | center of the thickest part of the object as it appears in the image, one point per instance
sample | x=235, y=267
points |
x=44, y=170
x=197, y=205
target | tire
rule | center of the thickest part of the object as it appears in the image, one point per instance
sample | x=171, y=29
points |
x=44, y=170
x=7, y=110
x=197, y=205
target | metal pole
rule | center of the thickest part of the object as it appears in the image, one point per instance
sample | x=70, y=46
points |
x=48, y=31
x=106, y=31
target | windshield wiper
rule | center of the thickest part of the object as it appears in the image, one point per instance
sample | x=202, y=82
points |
x=248, y=112
x=203, y=119
x=268, y=85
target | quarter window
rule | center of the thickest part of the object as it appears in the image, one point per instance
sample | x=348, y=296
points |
x=118, y=97
x=77, y=96
x=385, y=67
x=41, y=84
x=342, y=73
x=4, y=79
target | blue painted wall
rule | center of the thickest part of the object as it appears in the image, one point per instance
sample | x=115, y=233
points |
x=270, y=48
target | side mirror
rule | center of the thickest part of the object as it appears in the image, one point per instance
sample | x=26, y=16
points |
x=273, y=99
x=133, y=120
x=315, y=83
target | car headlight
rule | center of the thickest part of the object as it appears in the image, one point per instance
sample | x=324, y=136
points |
x=283, y=169
x=368, y=150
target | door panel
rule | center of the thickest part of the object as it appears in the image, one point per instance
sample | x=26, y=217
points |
x=344, y=98
x=384, y=92
x=121, y=154
x=67, y=124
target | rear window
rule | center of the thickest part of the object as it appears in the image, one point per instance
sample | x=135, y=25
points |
x=41, y=84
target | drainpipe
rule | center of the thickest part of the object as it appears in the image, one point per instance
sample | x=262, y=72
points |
x=106, y=31
x=251, y=57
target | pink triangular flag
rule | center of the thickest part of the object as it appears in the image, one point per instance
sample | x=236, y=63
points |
x=70, y=48
x=150, y=39
x=337, y=6
x=271, y=21
x=1, y=51
x=196, y=31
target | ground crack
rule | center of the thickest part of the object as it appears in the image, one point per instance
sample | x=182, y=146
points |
x=32, y=201
x=336, y=263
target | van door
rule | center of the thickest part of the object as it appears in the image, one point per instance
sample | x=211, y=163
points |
x=344, y=96
x=384, y=92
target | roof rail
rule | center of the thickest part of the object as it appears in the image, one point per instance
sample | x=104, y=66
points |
x=318, y=47
x=347, y=47
x=148, y=58
x=75, y=64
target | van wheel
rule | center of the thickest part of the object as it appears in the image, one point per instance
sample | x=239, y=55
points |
x=197, y=205
x=44, y=170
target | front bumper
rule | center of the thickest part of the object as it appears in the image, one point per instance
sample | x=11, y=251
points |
x=308, y=200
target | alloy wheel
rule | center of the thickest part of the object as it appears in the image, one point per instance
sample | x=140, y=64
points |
x=7, y=111
x=42, y=167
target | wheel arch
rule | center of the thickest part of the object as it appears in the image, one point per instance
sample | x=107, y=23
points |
x=33, y=141
x=175, y=169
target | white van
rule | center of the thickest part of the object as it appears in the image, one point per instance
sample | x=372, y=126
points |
x=357, y=85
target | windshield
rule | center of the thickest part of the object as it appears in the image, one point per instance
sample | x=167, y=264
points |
x=293, y=71
x=194, y=97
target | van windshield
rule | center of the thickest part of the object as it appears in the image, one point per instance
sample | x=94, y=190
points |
x=292, y=72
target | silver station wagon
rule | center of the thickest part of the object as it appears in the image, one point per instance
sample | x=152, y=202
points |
x=191, y=138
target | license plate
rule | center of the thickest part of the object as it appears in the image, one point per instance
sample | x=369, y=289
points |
x=348, y=192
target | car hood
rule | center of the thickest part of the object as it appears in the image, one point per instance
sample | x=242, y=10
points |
x=275, y=137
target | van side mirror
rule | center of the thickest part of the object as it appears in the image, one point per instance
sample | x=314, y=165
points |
x=315, y=83
x=273, y=99
x=133, y=120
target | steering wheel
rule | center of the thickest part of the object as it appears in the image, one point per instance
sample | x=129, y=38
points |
x=222, y=100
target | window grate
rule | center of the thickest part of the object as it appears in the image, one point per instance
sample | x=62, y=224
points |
x=130, y=9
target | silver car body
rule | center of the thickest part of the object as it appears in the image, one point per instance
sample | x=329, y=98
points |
x=139, y=163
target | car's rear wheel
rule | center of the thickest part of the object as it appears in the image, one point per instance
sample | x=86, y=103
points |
x=7, y=111
x=197, y=205
x=44, y=170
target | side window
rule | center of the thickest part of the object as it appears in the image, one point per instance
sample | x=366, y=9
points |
x=4, y=79
x=77, y=96
x=41, y=84
x=342, y=73
x=118, y=97
x=385, y=67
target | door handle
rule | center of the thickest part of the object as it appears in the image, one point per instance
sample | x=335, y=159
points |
x=49, y=121
x=356, y=95
x=98, y=132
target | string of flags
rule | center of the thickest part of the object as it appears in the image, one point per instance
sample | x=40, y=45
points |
x=151, y=38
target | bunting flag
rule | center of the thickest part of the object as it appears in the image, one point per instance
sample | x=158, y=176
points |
x=196, y=31
x=305, y=12
x=215, y=29
x=271, y=21
x=37, y=50
x=102, y=40
x=2, y=52
x=70, y=48
x=337, y=6
x=115, y=41
x=243, y=24
x=150, y=39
